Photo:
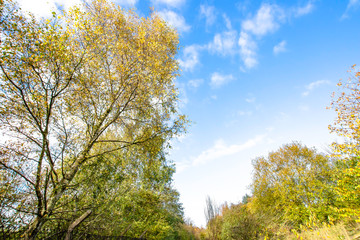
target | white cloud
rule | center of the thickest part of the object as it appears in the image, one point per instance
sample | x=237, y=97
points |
x=181, y=166
x=244, y=113
x=313, y=85
x=221, y=149
x=190, y=57
x=282, y=117
x=250, y=99
x=175, y=20
x=209, y=13
x=280, y=47
x=308, y=8
x=217, y=79
x=353, y=4
x=223, y=43
x=265, y=21
x=195, y=83
x=170, y=3
x=248, y=49
x=227, y=21
x=44, y=8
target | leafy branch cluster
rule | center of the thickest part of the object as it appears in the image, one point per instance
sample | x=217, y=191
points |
x=88, y=108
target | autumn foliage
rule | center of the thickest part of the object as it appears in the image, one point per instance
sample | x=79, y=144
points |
x=346, y=104
x=88, y=106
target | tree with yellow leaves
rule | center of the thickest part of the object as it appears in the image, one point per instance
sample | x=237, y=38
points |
x=292, y=187
x=347, y=124
x=92, y=81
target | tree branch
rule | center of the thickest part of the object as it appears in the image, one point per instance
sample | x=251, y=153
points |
x=18, y=172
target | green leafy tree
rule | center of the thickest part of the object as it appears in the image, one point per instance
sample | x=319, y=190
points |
x=239, y=223
x=293, y=186
x=347, y=188
x=74, y=88
x=129, y=194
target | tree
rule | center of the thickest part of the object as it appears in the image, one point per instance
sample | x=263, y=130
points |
x=129, y=194
x=293, y=186
x=239, y=223
x=347, y=188
x=347, y=124
x=74, y=88
x=213, y=219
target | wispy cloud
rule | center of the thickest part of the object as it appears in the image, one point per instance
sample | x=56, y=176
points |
x=195, y=83
x=227, y=21
x=311, y=86
x=244, y=113
x=181, y=166
x=352, y=5
x=223, y=43
x=250, y=99
x=209, y=13
x=175, y=20
x=170, y=3
x=190, y=57
x=221, y=149
x=266, y=20
x=218, y=79
x=308, y=8
x=44, y=8
x=280, y=47
x=248, y=49
x=282, y=117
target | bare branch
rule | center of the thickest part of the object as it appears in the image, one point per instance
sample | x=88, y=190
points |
x=17, y=172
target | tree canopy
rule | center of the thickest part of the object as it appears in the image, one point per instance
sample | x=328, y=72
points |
x=293, y=185
x=347, y=124
x=90, y=86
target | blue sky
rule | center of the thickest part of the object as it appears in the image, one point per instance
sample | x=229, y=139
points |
x=255, y=75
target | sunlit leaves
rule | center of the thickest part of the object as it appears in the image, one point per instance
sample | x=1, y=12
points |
x=347, y=124
x=293, y=185
x=86, y=83
x=346, y=105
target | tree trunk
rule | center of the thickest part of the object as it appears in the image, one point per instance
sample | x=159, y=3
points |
x=34, y=228
x=76, y=223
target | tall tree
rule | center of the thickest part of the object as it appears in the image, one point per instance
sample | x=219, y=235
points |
x=90, y=82
x=213, y=219
x=347, y=124
x=293, y=186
